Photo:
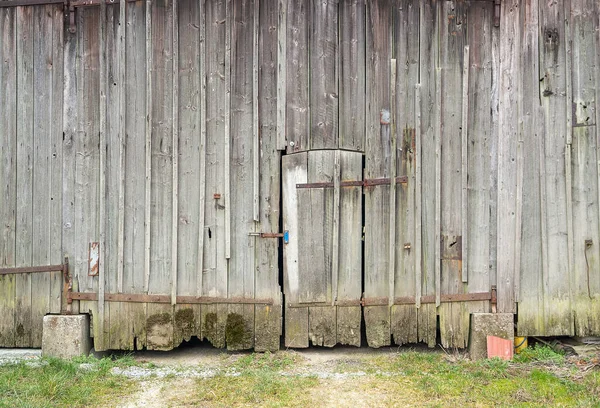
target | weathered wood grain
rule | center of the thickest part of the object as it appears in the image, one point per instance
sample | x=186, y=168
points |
x=297, y=99
x=294, y=170
x=56, y=140
x=100, y=319
x=190, y=94
x=323, y=49
x=267, y=325
x=8, y=173
x=585, y=283
x=349, y=285
x=352, y=103
x=378, y=52
x=24, y=159
x=553, y=81
x=453, y=38
x=240, y=323
x=428, y=48
x=159, y=323
x=507, y=172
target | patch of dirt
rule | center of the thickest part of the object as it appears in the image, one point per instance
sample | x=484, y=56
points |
x=159, y=394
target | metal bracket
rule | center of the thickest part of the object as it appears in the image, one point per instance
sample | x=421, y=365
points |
x=285, y=235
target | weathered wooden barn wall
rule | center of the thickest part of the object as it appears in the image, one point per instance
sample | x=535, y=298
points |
x=418, y=153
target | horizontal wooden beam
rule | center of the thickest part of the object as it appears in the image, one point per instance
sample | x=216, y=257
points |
x=20, y=3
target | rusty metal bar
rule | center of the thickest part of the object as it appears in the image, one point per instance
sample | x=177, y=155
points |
x=340, y=303
x=144, y=298
x=32, y=269
x=406, y=300
x=355, y=183
x=92, y=3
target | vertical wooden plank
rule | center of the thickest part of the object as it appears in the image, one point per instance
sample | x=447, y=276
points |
x=99, y=326
x=255, y=131
x=202, y=159
x=160, y=319
x=297, y=99
x=335, y=234
x=240, y=326
x=190, y=193
x=86, y=156
x=465, y=164
x=281, y=74
x=452, y=36
x=267, y=326
x=8, y=172
x=214, y=279
x=553, y=83
x=55, y=155
x=392, y=193
x=294, y=170
x=227, y=124
x=507, y=174
x=585, y=275
x=175, y=176
x=428, y=46
x=68, y=159
x=480, y=137
x=352, y=75
x=378, y=51
x=532, y=267
x=128, y=320
x=315, y=227
x=418, y=198
x=349, y=286
x=122, y=141
x=404, y=324
x=316, y=258
x=41, y=162
x=148, y=147
x=24, y=157
x=323, y=48
x=112, y=338
x=569, y=142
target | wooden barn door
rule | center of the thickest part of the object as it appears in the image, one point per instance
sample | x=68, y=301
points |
x=428, y=186
x=322, y=211
x=429, y=233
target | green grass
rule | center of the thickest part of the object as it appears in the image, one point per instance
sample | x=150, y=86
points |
x=539, y=377
x=61, y=383
x=540, y=353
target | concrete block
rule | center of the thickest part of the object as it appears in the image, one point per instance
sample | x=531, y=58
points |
x=489, y=324
x=66, y=336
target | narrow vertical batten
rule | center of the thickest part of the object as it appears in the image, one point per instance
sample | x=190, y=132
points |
x=417, y=209
x=201, y=217
x=148, y=177
x=175, y=221
x=465, y=165
x=227, y=129
x=99, y=335
x=392, y=170
x=122, y=146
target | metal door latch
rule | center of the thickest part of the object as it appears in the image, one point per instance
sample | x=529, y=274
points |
x=285, y=235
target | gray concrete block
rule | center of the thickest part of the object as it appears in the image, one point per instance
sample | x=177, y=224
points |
x=489, y=324
x=66, y=336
